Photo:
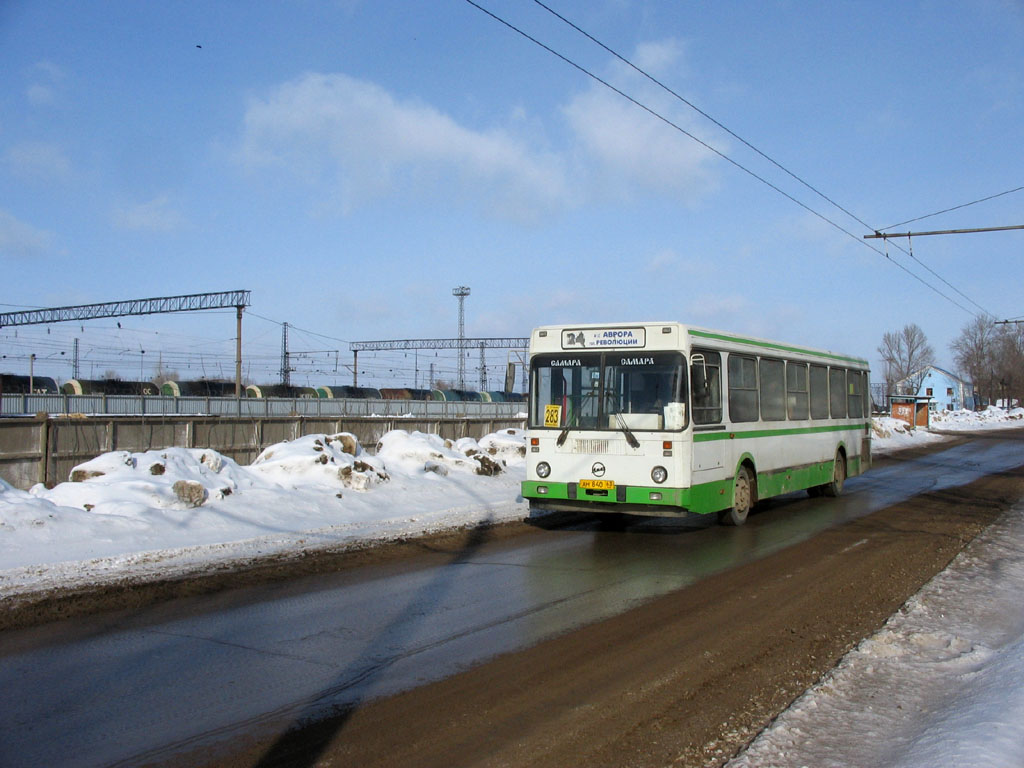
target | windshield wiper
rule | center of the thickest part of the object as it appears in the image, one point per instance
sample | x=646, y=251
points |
x=630, y=437
x=574, y=421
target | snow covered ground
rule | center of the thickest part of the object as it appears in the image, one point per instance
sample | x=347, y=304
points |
x=178, y=510
x=941, y=685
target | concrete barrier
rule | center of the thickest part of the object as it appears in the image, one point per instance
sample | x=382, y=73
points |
x=44, y=449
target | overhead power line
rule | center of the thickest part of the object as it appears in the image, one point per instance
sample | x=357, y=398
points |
x=771, y=160
x=700, y=111
x=954, y=208
x=721, y=154
x=887, y=235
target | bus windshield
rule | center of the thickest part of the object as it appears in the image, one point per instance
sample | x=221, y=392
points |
x=608, y=391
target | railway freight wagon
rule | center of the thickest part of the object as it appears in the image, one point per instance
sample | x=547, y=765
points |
x=12, y=384
x=280, y=390
x=665, y=419
x=109, y=387
x=198, y=388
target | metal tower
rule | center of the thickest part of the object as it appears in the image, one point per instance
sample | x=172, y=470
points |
x=462, y=292
x=286, y=368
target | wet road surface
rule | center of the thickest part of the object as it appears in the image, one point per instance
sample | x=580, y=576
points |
x=145, y=688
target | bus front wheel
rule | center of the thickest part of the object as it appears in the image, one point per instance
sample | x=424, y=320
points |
x=742, y=500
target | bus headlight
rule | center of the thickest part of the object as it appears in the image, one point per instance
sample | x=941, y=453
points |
x=543, y=470
x=659, y=475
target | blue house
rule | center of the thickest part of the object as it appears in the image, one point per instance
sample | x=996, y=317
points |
x=945, y=390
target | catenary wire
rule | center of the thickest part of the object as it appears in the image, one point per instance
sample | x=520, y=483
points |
x=700, y=111
x=717, y=152
x=908, y=251
x=954, y=208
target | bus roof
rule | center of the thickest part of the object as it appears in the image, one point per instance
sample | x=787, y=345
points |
x=652, y=335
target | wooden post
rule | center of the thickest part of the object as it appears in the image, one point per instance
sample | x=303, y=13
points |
x=44, y=448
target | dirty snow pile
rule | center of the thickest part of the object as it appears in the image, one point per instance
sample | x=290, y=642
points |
x=889, y=434
x=941, y=685
x=177, y=510
x=990, y=418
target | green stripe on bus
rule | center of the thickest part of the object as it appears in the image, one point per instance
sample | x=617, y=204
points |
x=779, y=347
x=707, y=437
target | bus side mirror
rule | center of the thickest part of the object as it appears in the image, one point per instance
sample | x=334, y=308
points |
x=699, y=376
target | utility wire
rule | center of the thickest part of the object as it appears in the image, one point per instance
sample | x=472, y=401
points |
x=954, y=208
x=700, y=111
x=720, y=154
x=301, y=330
x=746, y=143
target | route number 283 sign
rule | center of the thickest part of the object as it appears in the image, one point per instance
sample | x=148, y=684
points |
x=552, y=415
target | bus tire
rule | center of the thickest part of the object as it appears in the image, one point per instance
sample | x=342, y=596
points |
x=742, y=500
x=835, y=487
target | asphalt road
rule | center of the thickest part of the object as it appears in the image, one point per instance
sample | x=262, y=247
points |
x=293, y=672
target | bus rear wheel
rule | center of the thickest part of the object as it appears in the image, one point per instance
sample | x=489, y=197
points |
x=835, y=487
x=742, y=500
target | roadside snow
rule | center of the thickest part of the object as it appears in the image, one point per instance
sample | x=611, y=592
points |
x=175, y=510
x=990, y=418
x=942, y=684
x=889, y=434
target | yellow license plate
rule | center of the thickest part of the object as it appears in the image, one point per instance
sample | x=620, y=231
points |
x=597, y=485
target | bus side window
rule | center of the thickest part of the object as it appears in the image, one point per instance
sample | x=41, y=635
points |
x=742, y=388
x=796, y=390
x=855, y=395
x=706, y=386
x=837, y=392
x=819, y=392
x=772, y=376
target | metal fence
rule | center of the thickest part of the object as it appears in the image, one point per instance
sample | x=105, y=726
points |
x=139, y=405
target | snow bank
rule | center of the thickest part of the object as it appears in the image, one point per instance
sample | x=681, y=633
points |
x=990, y=418
x=178, y=509
x=889, y=434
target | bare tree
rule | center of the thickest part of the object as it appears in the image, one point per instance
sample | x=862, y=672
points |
x=905, y=352
x=1010, y=362
x=163, y=375
x=975, y=352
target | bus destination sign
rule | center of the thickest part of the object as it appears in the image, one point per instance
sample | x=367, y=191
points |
x=594, y=338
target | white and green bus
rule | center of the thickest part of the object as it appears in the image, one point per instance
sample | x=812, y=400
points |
x=666, y=419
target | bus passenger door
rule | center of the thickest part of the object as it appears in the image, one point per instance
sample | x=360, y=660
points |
x=709, y=453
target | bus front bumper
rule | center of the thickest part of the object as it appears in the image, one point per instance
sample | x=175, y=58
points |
x=661, y=501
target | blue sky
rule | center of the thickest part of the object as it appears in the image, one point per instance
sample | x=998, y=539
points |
x=351, y=162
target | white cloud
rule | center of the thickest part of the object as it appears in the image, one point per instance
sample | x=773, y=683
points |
x=660, y=57
x=661, y=260
x=708, y=307
x=21, y=240
x=37, y=161
x=156, y=215
x=46, y=75
x=630, y=151
x=356, y=141
x=368, y=143
x=40, y=95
